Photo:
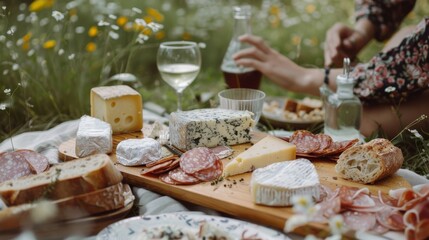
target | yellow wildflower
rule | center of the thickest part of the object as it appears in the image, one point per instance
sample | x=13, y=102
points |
x=310, y=8
x=160, y=35
x=38, y=5
x=148, y=19
x=155, y=14
x=91, y=47
x=147, y=31
x=27, y=37
x=49, y=44
x=296, y=40
x=186, y=36
x=93, y=31
x=121, y=21
x=73, y=12
x=26, y=46
x=275, y=10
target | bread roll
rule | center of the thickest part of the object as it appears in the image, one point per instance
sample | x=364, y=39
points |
x=370, y=162
x=107, y=199
x=63, y=180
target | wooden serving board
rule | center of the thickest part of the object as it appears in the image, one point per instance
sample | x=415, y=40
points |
x=232, y=195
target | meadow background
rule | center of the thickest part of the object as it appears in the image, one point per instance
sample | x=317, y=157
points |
x=54, y=52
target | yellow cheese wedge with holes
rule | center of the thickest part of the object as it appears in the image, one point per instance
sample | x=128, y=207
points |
x=265, y=152
x=120, y=106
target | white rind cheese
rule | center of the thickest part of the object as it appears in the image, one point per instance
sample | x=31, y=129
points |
x=209, y=127
x=276, y=184
x=93, y=136
x=265, y=152
x=134, y=152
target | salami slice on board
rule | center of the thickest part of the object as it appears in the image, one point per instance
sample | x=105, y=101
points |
x=197, y=159
x=305, y=141
x=166, y=179
x=210, y=174
x=38, y=162
x=181, y=177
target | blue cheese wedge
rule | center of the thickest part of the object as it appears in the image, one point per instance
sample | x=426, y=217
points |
x=276, y=184
x=93, y=136
x=209, y=127
x=265, y=152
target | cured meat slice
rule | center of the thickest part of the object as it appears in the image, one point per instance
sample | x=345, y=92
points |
x=359, y=220
x=390, y=218
x=38, y=162
x=210, y=174
x=181, y=177
x=166, y=159
x=197, y=159
x=222, y=151
x=325, y=142
x=305, y=141
x=339, y=147
x=174, y=164
x=155, y=168
x=13, y=165
x=166, y=179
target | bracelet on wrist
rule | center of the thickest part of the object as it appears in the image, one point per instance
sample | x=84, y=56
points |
x=326, y=79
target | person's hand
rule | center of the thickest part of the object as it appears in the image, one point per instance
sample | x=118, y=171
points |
x=343, y=41
x=271, y=63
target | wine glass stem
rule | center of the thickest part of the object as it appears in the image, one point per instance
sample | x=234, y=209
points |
x=179, y=101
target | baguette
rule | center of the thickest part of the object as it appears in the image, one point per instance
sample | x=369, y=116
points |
x=63, y=180
x=370, y=162
x=103, y=200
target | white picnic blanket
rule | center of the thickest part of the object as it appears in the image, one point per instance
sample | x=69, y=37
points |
x=47, y=142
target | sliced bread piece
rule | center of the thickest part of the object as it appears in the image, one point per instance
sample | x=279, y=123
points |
x=370, y=162
x=63, y=180
x=103, y=200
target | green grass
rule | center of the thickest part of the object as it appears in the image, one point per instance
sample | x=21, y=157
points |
x=51, y=85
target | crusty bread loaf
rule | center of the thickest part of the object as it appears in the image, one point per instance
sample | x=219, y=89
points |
x=103, y=200
x=370, y=162
x=63, y=180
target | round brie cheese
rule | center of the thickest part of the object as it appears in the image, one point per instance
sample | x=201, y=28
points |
x=134, y=152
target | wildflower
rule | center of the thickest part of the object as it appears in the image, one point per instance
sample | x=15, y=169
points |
x=136, y=10
x=71, y=56
x=49, y=44
x=91, y=47
x=27, y=37
x=2, y=106
x=93, y=31
x=416, y=133
x=111, y=16
x=121, y=21
x=44, y=211
x=155, y=26
x=296, y=40
x=186, y=36
x=79, y=29
x=60, y=52
x=114, y=27
x=146, y=31
x=44, y=22
x=310, y=8
x=57, y=15
x=336, y=224
x=40, y=4
x=155, y=14
x=141, y=38
x=160, y=35
x=302, y=203
x=140, y=22
x=15, y=67
x=102, y=23
x=390, y=89
x=11, y=30
x=294, y=222
x=2, y=38
x=113, y=35
x=7, y=91
x=202, y=45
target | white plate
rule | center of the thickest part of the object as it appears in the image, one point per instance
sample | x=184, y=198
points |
x=186, y=222
x=277, y=118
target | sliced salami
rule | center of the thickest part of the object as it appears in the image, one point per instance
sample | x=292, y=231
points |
x=390, y=218
x=210, y=174
x=305, y=141
x=359, y=221
x=181, y=177
x=339, y=147
x=325, y=142
x=162, y=165
x=222, y=151
x=166, y=179
x=197, y=159
x=38, y=162
x=13, y=165
x=174, y=164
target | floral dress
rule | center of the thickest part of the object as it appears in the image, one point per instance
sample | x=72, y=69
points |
x=402, y=71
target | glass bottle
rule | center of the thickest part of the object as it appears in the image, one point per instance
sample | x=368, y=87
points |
x=343, y=109
x=237, y=76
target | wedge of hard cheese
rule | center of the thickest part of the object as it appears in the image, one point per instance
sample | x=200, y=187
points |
x=265, y=152
x=276, y=184
x=107, y=199
x=63, y=180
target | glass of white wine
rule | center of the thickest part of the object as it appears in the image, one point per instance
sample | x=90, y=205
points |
x=179, y=63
